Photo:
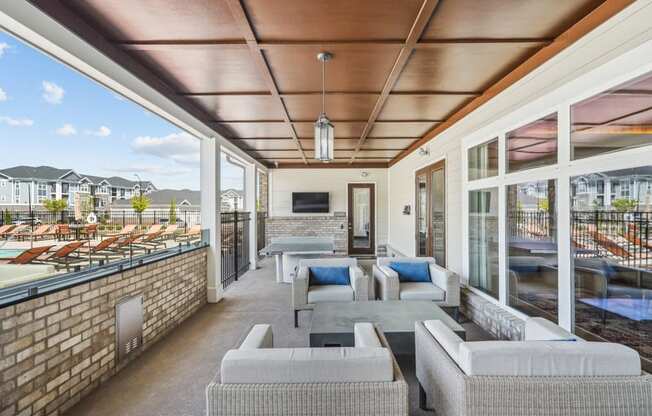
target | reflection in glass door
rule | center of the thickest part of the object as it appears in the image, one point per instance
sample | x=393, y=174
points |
x=431, y=213
x=361, y=218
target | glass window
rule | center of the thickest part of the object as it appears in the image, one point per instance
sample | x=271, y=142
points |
x=532, y=145
x=617, y=119
x=612, y=261
x=232, y=184
x=483, y=240
x=17, y=193
x=42, y=192
x=483, y=160
x=532, y=248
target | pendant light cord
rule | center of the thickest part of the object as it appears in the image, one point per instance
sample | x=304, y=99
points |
x=323, y=86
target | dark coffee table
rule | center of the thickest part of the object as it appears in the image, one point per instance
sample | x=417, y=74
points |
x=332, y=322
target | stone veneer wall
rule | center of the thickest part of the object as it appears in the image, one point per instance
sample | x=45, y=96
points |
x=59, y=347
x=492, y=318
x=309, y=226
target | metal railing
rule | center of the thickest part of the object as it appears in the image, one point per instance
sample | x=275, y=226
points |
x=261, y=217
x=623, y=237
x=235, y=245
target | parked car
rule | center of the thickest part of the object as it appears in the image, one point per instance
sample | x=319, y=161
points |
x=27, y=220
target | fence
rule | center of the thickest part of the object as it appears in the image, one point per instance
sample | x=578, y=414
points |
x=624, y=237
x=260, y=230
x=235, y=245
x=107, y=219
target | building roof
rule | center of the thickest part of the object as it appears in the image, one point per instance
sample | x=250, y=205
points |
x=164, y=196
x=51, y=174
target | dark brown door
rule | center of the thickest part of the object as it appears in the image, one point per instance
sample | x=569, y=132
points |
x=430, y=213
x=362, y=214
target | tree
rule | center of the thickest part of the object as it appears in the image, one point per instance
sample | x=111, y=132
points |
x=140, y=203
x=7, y=217
x=55, y=206
x=543, y=204
x=624, y=204
x=173, y=211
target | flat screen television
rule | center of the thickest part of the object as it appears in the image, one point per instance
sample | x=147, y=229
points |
x=308, y=202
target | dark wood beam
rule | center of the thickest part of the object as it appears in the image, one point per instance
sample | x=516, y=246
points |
x=418, y=27
x=345, y=165
x=240, y=16
x=591, y=21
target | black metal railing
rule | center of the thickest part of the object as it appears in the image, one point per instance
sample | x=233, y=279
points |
x=110, y=220
x=261, y=217
x=235, y=245
x=533, y=225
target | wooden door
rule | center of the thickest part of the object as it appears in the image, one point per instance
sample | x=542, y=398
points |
x=362, y=218
x=430, y=212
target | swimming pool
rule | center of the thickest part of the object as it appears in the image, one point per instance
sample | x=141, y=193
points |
x=9, y=253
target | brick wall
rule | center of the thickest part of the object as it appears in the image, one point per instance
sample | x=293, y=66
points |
x=310, y=226
x=57, y=348
x=491, y=317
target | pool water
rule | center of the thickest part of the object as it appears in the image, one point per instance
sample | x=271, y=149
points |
x=9, y=253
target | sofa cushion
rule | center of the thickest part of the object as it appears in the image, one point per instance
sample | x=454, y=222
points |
x=330, y=293
x=540, y=329
x=364, y=335
x=331, y=275
x=445, y=336
x=547, y=358
x=260, y=336
x=411, y=271
x=307, y=365
x=421, y=291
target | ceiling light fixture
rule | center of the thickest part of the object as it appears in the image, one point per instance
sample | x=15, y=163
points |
x=324, y=130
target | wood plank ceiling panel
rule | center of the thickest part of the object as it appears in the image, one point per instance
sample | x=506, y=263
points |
x=232, y=108
x=423, y=106
x=339, y=107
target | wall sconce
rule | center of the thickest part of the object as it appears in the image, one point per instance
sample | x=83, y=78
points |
x=364, y=174
x=423, y=151
x=407, y=209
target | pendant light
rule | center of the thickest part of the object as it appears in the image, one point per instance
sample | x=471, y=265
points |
x=324, y=130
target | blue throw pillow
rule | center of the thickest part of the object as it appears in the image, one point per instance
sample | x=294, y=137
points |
x=329, y=276
x=411, y=272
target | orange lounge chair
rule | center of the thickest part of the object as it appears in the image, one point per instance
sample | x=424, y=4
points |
x=124, y=245
x=66, y=256
x=5, y=229
x=41, y=231
x=89, y=230
x=101, y=250
x=149, y=241
x=153, y=229
x=30, y=255
x=193, y=233
x=16, y=231
x=126, y=230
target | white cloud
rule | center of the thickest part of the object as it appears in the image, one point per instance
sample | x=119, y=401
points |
x=52, y=93
x=102, y=131
x=66, y=130
x=179, y=147
x=3, y=47
x=3, y=95
x=16, y=122
x=151, y=170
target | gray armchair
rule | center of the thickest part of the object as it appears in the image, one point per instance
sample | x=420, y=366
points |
x=444, y=289
x=305, y=296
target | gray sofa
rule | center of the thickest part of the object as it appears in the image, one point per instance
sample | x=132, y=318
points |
x=444, y=289
x=305, y=296
x=257, y=379
x=550, y=373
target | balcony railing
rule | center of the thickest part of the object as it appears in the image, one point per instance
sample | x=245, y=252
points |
x=235, y=245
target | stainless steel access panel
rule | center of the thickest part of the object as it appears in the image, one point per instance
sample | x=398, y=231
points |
x=129, y=325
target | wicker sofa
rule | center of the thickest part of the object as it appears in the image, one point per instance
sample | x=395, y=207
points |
x=304, y=296
x=556, y=378
x=256, y=379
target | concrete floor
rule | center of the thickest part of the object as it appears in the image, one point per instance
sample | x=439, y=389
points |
x=170, y=378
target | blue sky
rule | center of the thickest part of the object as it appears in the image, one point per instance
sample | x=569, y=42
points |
x=52, y=115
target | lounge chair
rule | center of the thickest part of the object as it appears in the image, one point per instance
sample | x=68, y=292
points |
x=102, y=250
x=5, y=229
x=149, y=241
x=89, y=231
x=126, y=230
x=153, y=229
x=16, y=231
x=41, y=231
x=30, y=255
x=170, y=232
x=123, y=246
x=193, y=233
x=65, y=256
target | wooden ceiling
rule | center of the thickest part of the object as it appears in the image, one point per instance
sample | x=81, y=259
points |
x=402, y=70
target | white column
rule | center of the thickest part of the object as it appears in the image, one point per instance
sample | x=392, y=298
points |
x=250, y=206
x=210, y=214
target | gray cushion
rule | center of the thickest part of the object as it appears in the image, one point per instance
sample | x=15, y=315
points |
x=364, y=335
x=260, y=336
x=420, y=291
x=330, y=293
x=540, y=329
x=307, y=365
